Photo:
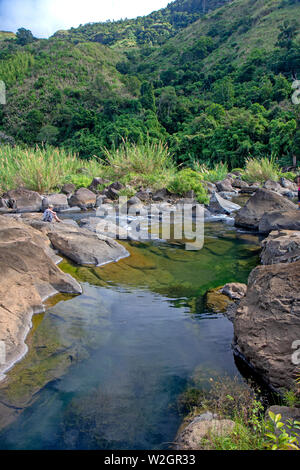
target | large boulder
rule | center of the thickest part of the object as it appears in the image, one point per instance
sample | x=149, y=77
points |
x=85, y=247
x=58, y=201
x=281, y=247
x=24, y=200
x=161, y=195
x=263, y=201
x=28, y=276
x=83, y=197
x=267, y=323
x=218, y=205
x=277, y=220
x=68, y=189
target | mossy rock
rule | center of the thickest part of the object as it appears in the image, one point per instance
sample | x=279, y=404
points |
x=216, y=301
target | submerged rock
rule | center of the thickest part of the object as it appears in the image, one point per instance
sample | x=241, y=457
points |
x=262, y=202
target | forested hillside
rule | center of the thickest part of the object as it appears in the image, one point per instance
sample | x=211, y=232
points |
x=215, y=86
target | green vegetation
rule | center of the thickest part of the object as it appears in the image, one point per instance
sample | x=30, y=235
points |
x=196, y=76
x=261, y=170
x=231, y=399
x=187, y=180
x=39, y=169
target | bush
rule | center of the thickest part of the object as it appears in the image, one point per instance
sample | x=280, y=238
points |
x=261, y=170
x=186, y=180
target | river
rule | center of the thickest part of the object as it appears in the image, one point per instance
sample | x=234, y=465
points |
x=105, y=369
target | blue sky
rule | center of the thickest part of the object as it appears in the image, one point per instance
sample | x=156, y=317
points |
x=44, y=17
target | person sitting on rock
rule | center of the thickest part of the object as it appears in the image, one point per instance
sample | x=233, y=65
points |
x=298, y=182
x=49, y=215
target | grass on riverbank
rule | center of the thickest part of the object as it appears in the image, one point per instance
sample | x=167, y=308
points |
x=135, y=165
x=231, y=399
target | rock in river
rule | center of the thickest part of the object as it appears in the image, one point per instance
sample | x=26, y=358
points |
x=277, y=220
x=281, y=247
x=267, y=323
x=218, y=205
x=262, y=202
x=28, y=276
x=85, y=247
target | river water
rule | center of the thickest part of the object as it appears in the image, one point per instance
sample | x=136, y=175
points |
x=105, y=369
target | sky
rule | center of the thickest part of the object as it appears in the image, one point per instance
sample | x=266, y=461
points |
x=44, y=17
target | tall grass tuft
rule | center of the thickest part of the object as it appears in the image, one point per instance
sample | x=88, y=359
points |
x=40, y=169
x=261, y=170
x=218, y=173
x=143, y=158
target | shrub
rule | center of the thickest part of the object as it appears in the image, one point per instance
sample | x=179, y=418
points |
x=186, y=180
x=261, y=170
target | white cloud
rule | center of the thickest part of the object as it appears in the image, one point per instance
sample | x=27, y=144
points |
x=44, y=17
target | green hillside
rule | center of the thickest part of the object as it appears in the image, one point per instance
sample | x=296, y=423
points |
x=215, y=87
x=153, y=29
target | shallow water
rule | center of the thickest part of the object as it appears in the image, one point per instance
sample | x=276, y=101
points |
x=105, y=369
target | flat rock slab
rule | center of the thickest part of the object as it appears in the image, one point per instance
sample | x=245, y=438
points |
x=84, y=247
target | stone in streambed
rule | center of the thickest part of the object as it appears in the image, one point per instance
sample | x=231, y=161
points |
x=281, y=247
x=280, y=220
x=262, y=202
x=267, y=322
x=218, y=205
x=83, y=197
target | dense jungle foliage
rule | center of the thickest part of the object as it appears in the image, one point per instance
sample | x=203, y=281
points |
x=212, y=79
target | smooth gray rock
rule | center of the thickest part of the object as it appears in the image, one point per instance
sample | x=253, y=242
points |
x=218, y=205
x=85, y=247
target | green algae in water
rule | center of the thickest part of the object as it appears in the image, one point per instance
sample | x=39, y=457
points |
x=124, y=350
